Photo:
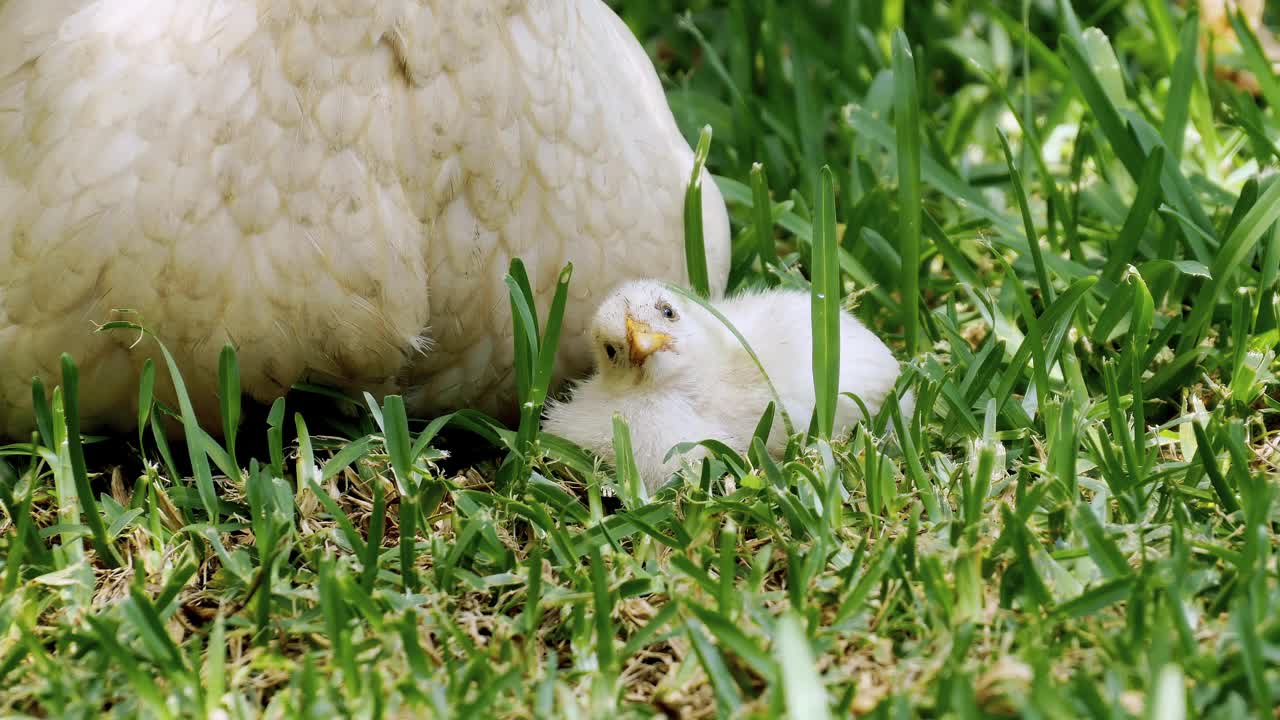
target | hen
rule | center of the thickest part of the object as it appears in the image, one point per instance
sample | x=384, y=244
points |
x=334, y=188
x=676, y=374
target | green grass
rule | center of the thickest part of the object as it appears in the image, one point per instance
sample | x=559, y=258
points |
x=1078, y=519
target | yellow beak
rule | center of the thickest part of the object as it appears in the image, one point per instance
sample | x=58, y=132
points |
x=643, y=341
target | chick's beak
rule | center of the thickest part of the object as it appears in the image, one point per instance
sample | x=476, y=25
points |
x=643, y=341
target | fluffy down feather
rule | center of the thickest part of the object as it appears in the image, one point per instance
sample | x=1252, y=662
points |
x=335, y=188
x=676, y=374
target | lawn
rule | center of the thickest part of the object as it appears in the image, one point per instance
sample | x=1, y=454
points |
x=1062, y=219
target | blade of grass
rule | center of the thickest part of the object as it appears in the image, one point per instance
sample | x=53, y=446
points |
x=229, y=396
x=190, y=425
x=89, y=506
x=801, y=683
x=762, y=215
x=906, y=108
x=695, y=248
x=1125, y=248
x=1209, y=460
x=603, y=611
x=825, y=306
x=1182, y=83
x=1029, y=226
x=633, y=488
x=728, y=697
x=1238, y=245
x=146, y=399
x=44, y=415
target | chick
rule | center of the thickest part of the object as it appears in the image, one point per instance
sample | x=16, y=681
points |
x=676, y=374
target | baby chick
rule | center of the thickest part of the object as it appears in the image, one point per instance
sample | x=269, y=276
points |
x=676, y=374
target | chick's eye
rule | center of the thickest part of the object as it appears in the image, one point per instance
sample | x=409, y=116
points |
x=668, y=312
x=610, y=350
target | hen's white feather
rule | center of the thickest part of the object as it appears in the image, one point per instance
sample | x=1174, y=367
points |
x=327, y=186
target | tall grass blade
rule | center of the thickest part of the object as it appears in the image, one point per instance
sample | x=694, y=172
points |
x=44, y=414
x=1182, y=84
x=89, y=506
x=695, y=247
x=825, y=301
x=1125, y=248
x=229, y=396
x=1029, y=226
x=906, y=107
x=806, y=697
x=1237, y=247
x=762, y=215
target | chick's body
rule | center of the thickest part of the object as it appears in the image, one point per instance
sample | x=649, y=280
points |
x=695, y=381
x=777, y=325
x=658, y=421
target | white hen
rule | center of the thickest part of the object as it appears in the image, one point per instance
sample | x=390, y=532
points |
x=335, y=188
x=676, y=374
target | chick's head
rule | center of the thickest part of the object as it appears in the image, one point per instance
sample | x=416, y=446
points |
x=644, y=333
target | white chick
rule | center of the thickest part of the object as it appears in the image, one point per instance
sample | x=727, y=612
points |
x=676, y=374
